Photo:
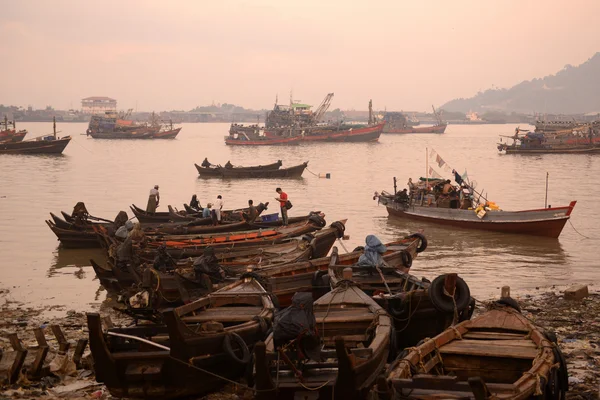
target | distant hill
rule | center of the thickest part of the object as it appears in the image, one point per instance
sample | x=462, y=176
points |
x=571, y=90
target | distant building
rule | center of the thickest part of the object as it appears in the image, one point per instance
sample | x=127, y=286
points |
x=98, y=105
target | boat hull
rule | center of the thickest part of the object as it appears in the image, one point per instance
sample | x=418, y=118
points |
x=547, y=222
x=276, y=141
x=292, y=172
x=565, y=150
x=170, y=134
x=367, y=134
x=35, y=147
x=422, y=129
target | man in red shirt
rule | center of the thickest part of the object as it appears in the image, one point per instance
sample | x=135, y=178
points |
x=283, y=197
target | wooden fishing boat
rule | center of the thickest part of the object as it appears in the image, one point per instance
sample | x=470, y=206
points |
x=255, y=140
x=204, y=344
x=420, y=308
x=285, y=280
x=207, y=166
x=46, y=145
x=157, y=217
x=195, y=218
x=497, y=355
x=354, y=340
x=238, y=239
x=259, y=254
x=221, y=172
x=74, y=238
x=571, y=141
x=202, y=228
x=447, y=210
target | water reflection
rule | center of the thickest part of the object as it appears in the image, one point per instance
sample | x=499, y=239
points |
x=74, y=262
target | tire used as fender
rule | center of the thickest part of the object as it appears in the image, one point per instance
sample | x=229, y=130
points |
x=423, y=244
x=443, y=302
x=228, y=348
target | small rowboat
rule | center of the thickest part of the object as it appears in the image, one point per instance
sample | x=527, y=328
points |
x=221, y=172
x=497, y=355
x=202, y=343
x=354, y=335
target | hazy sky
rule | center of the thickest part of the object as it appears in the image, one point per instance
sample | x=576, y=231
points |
x=165, y=55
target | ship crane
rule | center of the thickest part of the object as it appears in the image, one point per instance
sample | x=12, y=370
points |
x=322, y=109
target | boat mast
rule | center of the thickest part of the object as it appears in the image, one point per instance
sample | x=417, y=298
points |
x=427, y=168
x=54, y=126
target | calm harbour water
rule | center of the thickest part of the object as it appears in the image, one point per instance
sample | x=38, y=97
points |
x=108, y=175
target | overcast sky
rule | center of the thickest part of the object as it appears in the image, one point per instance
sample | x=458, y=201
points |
x=165, y=55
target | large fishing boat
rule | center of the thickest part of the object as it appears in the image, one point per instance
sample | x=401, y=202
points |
x=297, y=123
x=117, y=126
x=396, y=122
x=10, y=133
x=435, y=200
x=578, y=140
x=46, y=144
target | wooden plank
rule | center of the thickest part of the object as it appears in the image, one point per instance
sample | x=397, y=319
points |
x=477, y=348
x=36, y=369
x=140, y=355
x=60, y=337
x=437, y=383
x=79, y=349
x=40, y=337
x=493, y=335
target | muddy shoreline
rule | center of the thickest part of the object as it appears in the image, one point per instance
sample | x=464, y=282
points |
x=575, y=322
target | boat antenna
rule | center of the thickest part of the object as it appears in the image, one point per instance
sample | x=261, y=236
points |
x=6, y=121
x=427, y=168
x=395, y=188
x=546, y=198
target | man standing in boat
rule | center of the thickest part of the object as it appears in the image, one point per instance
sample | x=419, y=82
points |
x=218, y=208
x=153, y=200
x=282, y=199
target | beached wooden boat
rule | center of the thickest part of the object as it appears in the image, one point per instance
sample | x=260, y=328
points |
x=74, y=238
x=235, y=261
x=497, y=355
x=157, y=217
x=420, y=308
x=222, y=172
x=45, y=145
x=354, y=336
x=238, y=239
x=307, y=276
x=203, y=341
x=447, y=210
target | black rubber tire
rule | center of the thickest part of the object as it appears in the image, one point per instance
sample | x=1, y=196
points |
x=406, y=259
x=308, y=237
x=228, y=348
x=317, y=220
x=423, y=244
x=317, y=279
x=441, y=302
x=358, y=248
x=467, y=313
x=341, y=228
x=393, y=352
x=551, y=336
x=510, y=302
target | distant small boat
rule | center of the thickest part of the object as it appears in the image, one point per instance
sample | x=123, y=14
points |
x=250, y=172
x=398, y=123
x=47, y=144
x=580, y=140
x=11, y=134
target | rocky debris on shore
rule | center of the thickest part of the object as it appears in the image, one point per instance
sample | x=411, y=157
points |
x=577, y=327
